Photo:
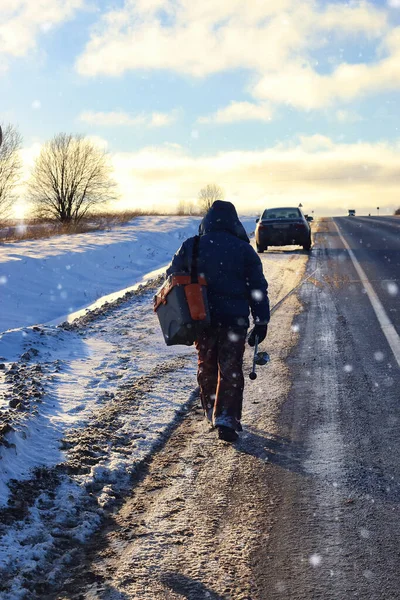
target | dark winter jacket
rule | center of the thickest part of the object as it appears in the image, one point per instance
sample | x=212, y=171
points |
x=231, y=266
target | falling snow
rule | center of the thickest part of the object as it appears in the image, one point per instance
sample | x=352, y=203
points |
x=257, y=295
x=233, y=337
x=315, y=560
x=392, y=288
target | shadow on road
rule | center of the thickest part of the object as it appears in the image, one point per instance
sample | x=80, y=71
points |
x=189, y=588
x=365, y=478
x=275, y=449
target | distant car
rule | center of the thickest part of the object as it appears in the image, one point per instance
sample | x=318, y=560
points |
x=282, y=227
x=352, y=212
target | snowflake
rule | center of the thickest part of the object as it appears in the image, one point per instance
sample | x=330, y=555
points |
x=315, y=560
x=257, y=295
x=233, y=337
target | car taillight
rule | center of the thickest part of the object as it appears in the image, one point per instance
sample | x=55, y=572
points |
x=261, y=226
x=300, y=226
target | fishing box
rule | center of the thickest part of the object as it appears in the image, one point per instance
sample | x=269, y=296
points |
x=182, y=308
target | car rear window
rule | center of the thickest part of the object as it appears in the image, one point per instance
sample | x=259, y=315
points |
x=281, y=213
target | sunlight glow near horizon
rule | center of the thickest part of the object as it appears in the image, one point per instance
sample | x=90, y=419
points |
x=20, y=210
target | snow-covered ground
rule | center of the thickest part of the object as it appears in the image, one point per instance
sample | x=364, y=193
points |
x=81, y=406
x=44, y=280
x=109, y=389
x=41, y=280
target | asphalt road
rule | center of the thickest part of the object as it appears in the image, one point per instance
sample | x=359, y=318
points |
x=375, y=242
x=337, y=534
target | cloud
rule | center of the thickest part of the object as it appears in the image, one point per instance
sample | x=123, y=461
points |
x=275, y=41
x=98, y=141
x=23, y=21
x=208, y=37
x=352, y=18
x=322, y=175
x=302, y=87
x=162, y=119
x=119, y=118
x=312, y=143
x=239, y=111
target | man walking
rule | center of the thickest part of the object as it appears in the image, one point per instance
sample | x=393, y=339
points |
x=235, y=286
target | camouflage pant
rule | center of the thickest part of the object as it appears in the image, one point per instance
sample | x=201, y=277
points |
x=220, y=374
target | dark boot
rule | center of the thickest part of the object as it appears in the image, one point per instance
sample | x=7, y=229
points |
x=227, y=434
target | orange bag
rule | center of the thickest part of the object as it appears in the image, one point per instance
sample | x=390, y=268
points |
x=181, y=305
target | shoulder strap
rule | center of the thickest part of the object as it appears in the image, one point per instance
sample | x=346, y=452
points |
x=195, y=255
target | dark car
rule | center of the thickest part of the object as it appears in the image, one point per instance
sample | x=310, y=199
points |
x=282, y=227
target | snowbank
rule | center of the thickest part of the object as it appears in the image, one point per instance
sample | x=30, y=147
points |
x=44, y=280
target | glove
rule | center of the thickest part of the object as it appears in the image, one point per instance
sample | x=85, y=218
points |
x=260, y=331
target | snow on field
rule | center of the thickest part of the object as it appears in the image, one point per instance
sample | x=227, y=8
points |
x=42, y=280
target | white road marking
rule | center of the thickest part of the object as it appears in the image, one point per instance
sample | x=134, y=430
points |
x=384, y=321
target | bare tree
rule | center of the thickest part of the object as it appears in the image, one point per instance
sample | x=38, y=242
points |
x=10, y=166
x=191, y=208
x=208, y=195
x=185, y=207
x=397, y=211
x=181, y=208
x=70, y=176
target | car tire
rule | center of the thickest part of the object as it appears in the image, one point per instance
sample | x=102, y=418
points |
x=307, y=245
x=260, y=249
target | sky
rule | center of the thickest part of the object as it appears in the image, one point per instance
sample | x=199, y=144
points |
x=279, y=102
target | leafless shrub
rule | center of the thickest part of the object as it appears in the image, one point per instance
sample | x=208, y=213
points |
x=116, y=218
x=40, y=228
x=10, y=166
x=71, y=176
x=186, y=207
x=209, y=194
x=397, y=211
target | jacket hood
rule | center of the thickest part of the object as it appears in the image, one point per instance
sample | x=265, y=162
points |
x=222, y=216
